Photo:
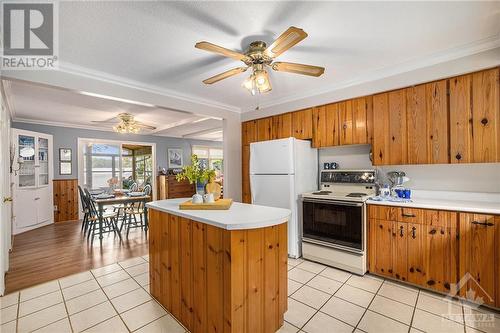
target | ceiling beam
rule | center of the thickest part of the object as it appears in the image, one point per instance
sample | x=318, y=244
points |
x=198, y=133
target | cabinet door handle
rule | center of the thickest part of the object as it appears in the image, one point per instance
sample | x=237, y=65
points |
x=409, y=215
x=414, y=232
x=401, y=233
x=37, y=198
x=486, y=224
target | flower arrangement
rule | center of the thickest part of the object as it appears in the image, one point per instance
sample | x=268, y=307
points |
x=195, y=173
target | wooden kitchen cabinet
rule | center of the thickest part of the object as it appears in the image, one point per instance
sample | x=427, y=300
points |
x=486, y=116
x=479, y=261
x=264, y=126
x=361, y=111
x=475, y=117
x=302, y=124
x=326, y=125
x=422, y=249
x=389, y=128
x=248, y=132
x=345, y=122
x=282, y=126
x=427, y=123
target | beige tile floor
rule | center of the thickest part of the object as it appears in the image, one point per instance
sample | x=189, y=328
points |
x=116, y=298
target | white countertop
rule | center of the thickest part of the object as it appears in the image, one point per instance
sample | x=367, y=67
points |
x=240, y=216
x=456, y=201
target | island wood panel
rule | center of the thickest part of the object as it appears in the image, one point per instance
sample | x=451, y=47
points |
x=282, y=126
x=65, y=199
x=345, y=122
x=461, y=119
x=486, y=116
x=302, y=124
x=215, y=280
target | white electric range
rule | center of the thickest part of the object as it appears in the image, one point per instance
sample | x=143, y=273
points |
x=334, y=227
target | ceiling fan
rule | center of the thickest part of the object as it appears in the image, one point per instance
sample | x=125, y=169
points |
x=258, y=56
x=126, y=123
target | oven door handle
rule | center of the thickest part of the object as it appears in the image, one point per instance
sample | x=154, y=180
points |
x=334, y=202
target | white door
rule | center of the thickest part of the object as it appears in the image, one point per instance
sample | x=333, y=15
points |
x=5, y=194
x=272, y=157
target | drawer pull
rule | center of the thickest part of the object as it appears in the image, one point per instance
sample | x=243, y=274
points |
x=409, y=215
x=486, y=224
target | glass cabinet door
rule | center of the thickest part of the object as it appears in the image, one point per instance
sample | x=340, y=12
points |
x=43, y=161
x=26, y=153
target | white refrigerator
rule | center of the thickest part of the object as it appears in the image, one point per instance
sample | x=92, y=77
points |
x=280, y=170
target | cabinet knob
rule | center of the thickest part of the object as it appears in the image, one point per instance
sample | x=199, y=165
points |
x=458, y=156
x=414, y=232
x=7, y=199
x=401, y=233
x=484, y=121
x=344, y=126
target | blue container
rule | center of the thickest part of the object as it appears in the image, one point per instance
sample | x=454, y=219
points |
x=400, y=192
x=407, y=193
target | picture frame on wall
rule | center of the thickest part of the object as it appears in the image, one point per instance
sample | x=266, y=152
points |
x=65, y=168
x=175, y=159
x=65, y=154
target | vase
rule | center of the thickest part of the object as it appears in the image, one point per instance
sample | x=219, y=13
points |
x=200, y=188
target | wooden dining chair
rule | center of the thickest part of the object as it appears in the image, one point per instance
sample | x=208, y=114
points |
x=109, y=223
x=85, y=209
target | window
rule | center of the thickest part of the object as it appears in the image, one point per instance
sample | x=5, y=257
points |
x=100, y=163
x=212, y=158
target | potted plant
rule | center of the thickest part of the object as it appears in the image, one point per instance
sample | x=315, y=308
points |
x=196, y=173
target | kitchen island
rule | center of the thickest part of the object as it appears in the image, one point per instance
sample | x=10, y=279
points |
x=220, y=271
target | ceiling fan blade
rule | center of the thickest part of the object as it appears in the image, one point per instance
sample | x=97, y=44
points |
x=298, y=68
x=142, y=125
x=207, y=46
x=225, y=75
x=285, y=41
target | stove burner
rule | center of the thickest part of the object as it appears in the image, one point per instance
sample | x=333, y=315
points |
x=356, y=195
x=322, y=192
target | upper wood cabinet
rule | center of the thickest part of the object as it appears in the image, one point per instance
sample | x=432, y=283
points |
x=325, y=125
x=427, y=123
x=248, y=132
x=264, y=126
x=282, y=126
x=486, y=116
x=302, y=124
x=389, y=128
x=475, y=117
x=345, y=122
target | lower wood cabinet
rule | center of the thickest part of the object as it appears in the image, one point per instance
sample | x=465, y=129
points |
x=480, y=257
x=445, y=251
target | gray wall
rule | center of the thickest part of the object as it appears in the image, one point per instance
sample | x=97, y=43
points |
x=65, y=137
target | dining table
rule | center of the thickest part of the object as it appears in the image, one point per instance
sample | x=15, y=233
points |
x=120, y=199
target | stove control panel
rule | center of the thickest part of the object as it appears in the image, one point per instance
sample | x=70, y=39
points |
x=348, y=176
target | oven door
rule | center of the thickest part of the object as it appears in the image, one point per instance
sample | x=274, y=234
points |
x=338, y=224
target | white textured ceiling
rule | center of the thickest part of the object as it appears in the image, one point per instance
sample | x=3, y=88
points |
x=53, y=106
x=152, y=43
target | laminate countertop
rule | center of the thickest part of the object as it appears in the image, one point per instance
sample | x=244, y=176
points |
x=459, y=205
x=240, y=216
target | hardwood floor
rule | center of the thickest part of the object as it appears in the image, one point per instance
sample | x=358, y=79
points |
x=60, y=249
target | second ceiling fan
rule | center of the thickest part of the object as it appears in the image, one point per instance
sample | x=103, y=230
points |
x=258, y=57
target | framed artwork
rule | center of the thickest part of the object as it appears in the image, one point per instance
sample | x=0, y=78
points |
x=65, y=154
x=65, y=168
x=175, y=158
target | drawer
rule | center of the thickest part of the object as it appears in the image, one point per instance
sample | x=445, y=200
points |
x=410, y=215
